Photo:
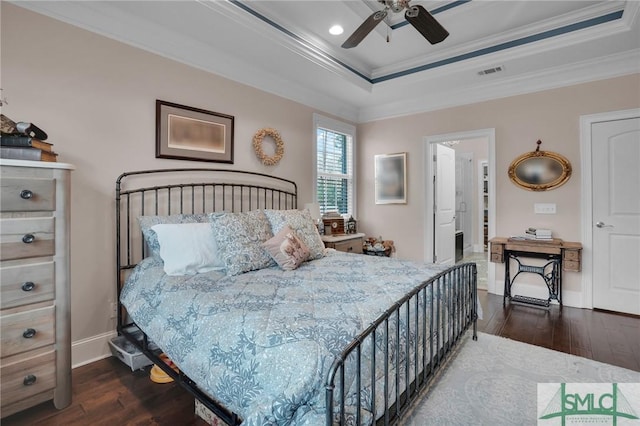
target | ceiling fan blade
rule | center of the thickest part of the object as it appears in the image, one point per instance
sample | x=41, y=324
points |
x=426, y=24
x=365, y=28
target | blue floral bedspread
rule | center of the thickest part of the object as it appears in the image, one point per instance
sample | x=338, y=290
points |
x=262, y=342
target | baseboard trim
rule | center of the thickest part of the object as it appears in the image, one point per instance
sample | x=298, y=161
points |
x=91, y=349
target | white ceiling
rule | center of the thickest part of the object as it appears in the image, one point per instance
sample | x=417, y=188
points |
x=284, y=47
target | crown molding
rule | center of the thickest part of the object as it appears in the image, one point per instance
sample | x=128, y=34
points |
x=99, y=17
x=605, y=67
x=532, y=33
x=314, y=51
x=145, y=35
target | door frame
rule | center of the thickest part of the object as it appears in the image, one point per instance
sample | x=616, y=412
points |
x=586, y=207
x=427, y=179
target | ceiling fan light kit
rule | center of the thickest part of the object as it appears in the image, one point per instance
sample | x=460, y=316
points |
x=417, y=16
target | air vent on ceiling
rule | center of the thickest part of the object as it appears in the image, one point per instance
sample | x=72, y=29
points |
x=491, y=70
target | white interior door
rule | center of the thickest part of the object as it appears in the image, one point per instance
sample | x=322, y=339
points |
x=464, y=198
x=445, y=205
x=616, y=215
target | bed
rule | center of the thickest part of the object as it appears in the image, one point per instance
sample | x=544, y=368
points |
x=338, y=339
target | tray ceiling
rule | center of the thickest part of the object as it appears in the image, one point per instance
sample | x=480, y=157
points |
x=495, y=48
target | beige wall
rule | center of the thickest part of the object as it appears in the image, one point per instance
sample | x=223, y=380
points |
x=96, y=99
x=519, y=121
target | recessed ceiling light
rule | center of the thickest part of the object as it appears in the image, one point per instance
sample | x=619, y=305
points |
x=336, y=30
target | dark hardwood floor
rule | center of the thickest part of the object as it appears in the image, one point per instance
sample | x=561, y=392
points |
x=599, y=335
x=108, y=393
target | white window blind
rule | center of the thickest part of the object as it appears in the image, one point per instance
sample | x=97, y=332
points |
x=335, y=171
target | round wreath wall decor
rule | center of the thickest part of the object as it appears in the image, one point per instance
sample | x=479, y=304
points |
x=268, y=160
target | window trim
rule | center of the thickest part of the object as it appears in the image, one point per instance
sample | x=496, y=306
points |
x=320, y=121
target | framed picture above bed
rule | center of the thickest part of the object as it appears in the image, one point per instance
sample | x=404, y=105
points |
x=391, y=178
x=187, y=133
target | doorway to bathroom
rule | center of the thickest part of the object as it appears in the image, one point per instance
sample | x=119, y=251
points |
x=459, y=206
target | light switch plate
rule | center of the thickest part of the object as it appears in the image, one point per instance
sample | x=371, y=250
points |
x=544, y=208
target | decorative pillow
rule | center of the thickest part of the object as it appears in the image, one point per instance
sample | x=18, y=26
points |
x=239, y=237
x=287, y=249
x=301, y=222
x=187, y=248
x=147, y=222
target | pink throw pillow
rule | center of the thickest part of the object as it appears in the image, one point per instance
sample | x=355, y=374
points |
x=287, y=249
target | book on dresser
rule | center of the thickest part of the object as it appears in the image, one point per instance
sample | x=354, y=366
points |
x=23, y=141
x=25, y=153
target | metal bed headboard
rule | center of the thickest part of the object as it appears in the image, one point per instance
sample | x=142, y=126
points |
x=188, y=191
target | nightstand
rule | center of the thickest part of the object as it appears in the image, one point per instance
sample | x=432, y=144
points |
x=349, y=243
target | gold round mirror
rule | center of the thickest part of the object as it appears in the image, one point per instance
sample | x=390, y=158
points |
x=540, y=170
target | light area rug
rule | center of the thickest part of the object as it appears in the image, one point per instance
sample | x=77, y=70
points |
x=493, y=381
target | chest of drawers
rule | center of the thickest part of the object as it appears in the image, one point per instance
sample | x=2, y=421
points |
x=35, y=311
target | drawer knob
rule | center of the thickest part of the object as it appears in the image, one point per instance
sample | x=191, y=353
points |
x=28, y=286
x=29, y=380
x=28, y=238
x=29, y=333
x=25, y=194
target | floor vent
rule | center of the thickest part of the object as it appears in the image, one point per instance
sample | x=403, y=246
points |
x=491, y=70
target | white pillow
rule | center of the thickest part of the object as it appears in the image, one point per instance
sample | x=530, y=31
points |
x=188, y=248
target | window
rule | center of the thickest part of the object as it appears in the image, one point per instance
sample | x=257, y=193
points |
x=334, y=183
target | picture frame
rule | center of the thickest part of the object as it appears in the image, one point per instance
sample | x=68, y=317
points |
x=391, y=178
x=187, y=133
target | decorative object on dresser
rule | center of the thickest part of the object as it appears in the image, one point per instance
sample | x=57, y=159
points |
x=333, y=223
x=9, y=127
x=378, y=247
x=24, y=141
x=351, y=226
x=188, y=133
x=349, y=243
x=35, y=363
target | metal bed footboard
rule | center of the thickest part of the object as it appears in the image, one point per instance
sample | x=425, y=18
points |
x=185, y=191
x=412, y=340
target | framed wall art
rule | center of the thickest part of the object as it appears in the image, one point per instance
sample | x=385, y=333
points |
x=391, y=178
x=188, y=133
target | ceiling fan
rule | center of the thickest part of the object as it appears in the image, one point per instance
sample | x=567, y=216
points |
x=416, y=15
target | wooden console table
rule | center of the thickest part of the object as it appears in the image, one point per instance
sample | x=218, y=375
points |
x=561, y=256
